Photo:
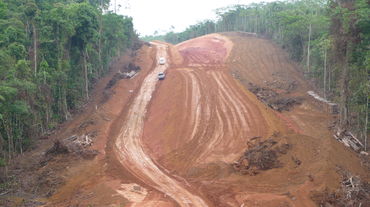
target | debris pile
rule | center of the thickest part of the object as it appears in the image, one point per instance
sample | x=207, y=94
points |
x=76, y=143
x=353, y=192
x=260, y=155
x=128, y=71
x=264, y=94
x=57, y=148
x=73, y=144
x=348, y=139
x=272, y=98
x=118, y=76
x=284, y=104
x=130, y=67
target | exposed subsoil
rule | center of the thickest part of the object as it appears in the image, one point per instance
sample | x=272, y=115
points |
x=200, y=137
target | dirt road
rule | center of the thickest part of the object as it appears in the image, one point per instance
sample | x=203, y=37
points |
x=173, y=142
x=208, y=116
x=129, y=146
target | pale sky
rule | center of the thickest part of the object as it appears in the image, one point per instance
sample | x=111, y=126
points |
x=159, y=15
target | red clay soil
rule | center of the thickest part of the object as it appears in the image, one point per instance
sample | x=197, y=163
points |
x=205, y=51
x=97, y=180
x=201, y=117
x=173, y=142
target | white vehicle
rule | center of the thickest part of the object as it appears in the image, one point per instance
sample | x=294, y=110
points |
x=162, y=61
x=161, y=76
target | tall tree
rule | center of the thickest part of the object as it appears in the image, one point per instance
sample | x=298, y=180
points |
x=85, y=18
x=31, y=11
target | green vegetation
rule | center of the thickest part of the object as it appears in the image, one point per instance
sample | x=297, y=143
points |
x=51, y=54
x=331, y=40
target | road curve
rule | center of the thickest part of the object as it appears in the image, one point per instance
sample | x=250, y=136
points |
x=129, y=145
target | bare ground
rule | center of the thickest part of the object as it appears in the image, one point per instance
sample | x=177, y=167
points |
x=175, y=142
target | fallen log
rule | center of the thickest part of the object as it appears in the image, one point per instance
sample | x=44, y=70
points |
x=349, y=140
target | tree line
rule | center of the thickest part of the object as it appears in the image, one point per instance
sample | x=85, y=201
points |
x=330, y=38
x=51, y=54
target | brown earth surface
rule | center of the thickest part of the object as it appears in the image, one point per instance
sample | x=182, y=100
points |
x=174, y=142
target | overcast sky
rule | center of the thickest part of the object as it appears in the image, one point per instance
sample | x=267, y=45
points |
x=159, y=15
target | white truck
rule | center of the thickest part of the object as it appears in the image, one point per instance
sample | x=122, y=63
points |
x=162, y=61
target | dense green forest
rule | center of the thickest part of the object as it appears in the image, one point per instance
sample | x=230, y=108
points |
x=51, y=54
x=330, y=38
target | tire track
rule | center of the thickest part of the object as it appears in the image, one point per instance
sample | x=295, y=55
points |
x=230, y=115
x=241, y=101
x=233, y=100
x=195, y=104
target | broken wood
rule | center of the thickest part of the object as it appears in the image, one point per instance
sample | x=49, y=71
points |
x=73, y=144
x=349, y=140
